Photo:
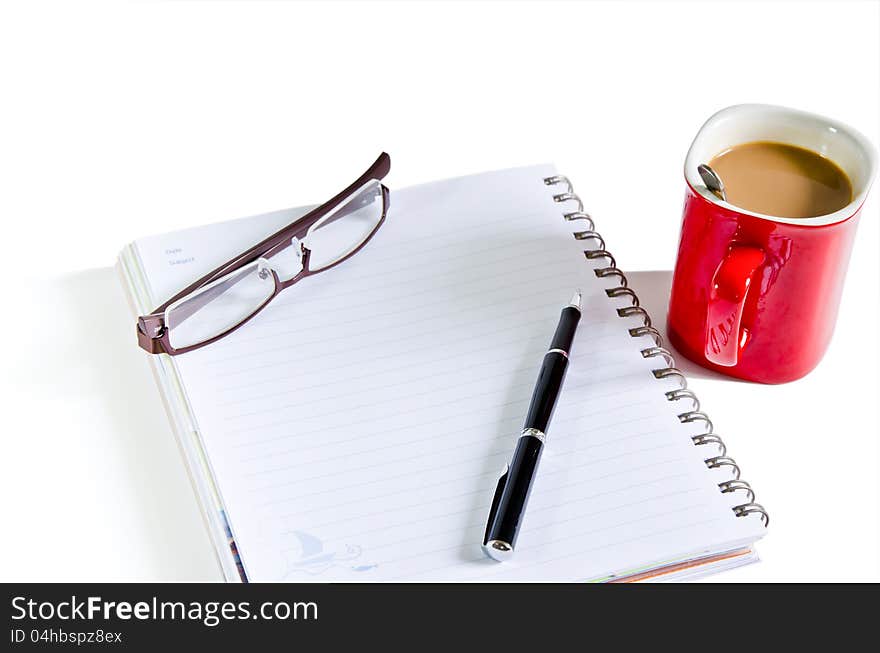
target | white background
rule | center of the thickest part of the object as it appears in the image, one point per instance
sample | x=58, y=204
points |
x=125, y=119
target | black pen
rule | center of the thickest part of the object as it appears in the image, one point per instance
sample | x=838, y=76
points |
x=515, y=484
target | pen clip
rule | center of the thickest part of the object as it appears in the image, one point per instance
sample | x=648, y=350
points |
x=496, y=499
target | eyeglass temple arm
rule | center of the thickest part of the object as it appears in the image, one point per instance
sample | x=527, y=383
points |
x=378, y=170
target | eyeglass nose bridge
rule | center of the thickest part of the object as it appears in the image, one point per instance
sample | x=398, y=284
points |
x=303, y=253
x=299, y=244
x=289, y=247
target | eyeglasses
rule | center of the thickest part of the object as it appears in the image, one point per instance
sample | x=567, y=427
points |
x=225, y=299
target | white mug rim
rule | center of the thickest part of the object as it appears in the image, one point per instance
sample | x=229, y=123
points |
x=694, y=159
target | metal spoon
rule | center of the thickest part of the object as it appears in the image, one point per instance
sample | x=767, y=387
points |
x=713, y=181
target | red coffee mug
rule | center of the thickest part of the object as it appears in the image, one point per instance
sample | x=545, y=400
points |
x=755, y=296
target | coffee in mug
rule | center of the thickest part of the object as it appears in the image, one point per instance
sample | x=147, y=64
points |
x=782, y=180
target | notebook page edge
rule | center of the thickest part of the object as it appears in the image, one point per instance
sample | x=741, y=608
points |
x=138, y=298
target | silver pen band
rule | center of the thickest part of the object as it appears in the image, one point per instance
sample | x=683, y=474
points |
x=534, y=433
x=557, y=351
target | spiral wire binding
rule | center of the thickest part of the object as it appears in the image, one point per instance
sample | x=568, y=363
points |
x=682, y=393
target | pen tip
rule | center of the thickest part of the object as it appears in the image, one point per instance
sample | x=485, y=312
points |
x=576, y=300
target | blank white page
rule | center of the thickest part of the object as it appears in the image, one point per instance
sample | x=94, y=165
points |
x=357, y=427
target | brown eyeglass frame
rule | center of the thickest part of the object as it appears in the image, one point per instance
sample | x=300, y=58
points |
x=152, y=334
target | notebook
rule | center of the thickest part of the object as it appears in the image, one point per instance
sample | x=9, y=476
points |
x=355, y=429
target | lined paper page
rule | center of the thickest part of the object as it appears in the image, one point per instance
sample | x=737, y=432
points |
x=357, y=427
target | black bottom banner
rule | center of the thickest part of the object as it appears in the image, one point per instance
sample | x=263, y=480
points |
x=172, y=616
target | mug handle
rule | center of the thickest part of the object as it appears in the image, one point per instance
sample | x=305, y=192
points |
x=725, y=335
